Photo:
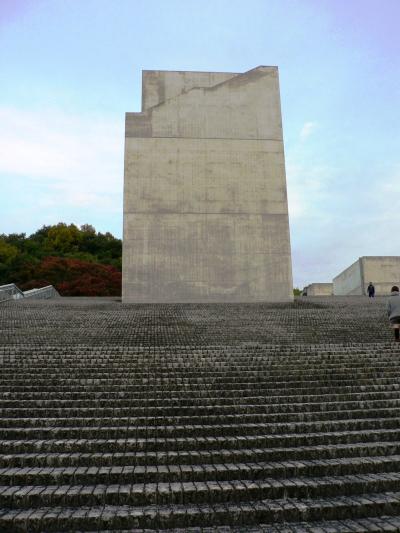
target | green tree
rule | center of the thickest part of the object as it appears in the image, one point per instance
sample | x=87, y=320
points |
x=8, y=252
x=62, y=239
x=20, y=255
x=88, y=228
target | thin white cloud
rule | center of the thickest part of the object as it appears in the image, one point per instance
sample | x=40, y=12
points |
x=390, y=187
x=308, y=188
x=77, y=160
x=334, y=220
x=307, y=130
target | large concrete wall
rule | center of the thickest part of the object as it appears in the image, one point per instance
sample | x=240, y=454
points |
x=205, y=204
x=382, y=271
x=349, y=281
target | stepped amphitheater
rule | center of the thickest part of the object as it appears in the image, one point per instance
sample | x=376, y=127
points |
x=199, y=417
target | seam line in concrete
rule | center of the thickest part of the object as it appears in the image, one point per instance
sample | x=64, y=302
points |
x=205, y=138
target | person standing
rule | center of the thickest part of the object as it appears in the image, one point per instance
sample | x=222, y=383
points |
x=371, y=290
x=393, y=311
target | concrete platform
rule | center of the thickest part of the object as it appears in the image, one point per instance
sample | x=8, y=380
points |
x=199, y=417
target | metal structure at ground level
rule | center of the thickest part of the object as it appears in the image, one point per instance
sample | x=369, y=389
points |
x=12, y=292
x=205, y=203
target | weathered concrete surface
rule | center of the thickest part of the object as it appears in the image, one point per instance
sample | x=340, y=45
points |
x=319, y=289
x=205, y=204
x=382, y=271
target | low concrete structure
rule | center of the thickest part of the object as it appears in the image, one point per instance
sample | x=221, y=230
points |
x=12, y=292
x=205, y=203
x=318, y=289
x=382, y=271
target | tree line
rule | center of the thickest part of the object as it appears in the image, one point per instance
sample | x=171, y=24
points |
x=78, y=261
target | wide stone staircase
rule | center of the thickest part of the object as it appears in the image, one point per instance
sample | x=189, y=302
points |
x=199, y=417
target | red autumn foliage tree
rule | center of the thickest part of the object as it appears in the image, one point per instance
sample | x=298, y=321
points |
x=73, y=277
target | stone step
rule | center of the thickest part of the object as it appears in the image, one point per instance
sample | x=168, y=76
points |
x=340, y=379
x=46, y=351
x=198, y=443
x=86, y=475
x=230, y=358
x=209, y=390
x=278, y=409
x=208, y=420
x=127, y=398
x=123, y=350
x=209, y=393
x=264, y=367
x=26, y=347
x=174, y=493
x=196, y=457
x=265, y=371
x=359, y=525
x=239, y=514
x=193, y=430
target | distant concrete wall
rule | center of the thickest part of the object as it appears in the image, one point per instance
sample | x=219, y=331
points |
x=320, y=289
x=382, y=271
x=205, y=203
x=348, y=282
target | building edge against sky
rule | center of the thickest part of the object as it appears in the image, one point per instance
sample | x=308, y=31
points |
x=382, y=271
x=205, y=201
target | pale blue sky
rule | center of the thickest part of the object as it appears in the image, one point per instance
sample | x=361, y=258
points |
x=69, y=70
